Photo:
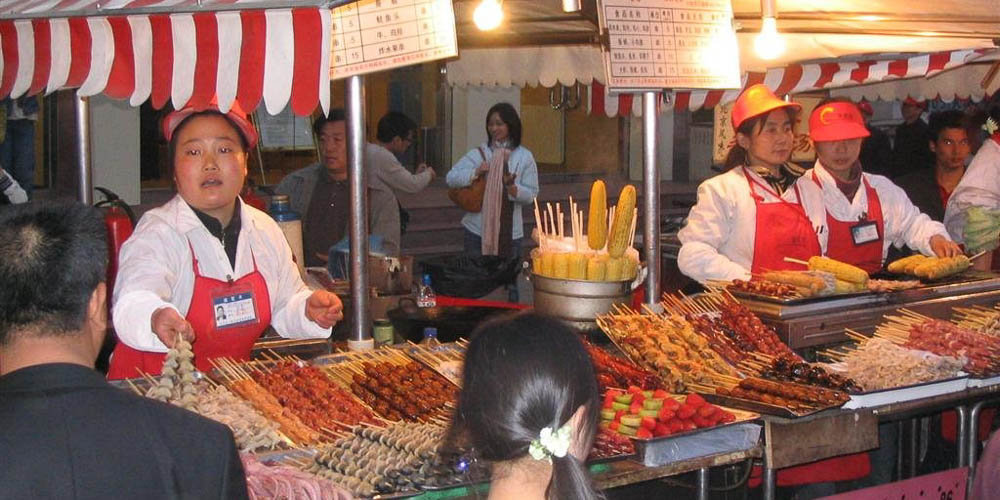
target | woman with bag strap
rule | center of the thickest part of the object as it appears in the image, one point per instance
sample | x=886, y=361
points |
x=505, y=174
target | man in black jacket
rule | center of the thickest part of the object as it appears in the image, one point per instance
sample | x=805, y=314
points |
x=929, y=188
x=67, y=433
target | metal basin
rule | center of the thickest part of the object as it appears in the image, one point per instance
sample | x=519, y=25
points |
x=578, y=302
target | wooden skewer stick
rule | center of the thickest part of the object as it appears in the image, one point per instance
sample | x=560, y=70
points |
x=796, y=261
x=978, y=255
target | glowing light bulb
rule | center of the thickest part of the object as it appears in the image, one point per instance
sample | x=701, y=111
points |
x=488, y=15
x=769, y=43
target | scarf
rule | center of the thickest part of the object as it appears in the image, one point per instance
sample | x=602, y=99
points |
x=497, y=212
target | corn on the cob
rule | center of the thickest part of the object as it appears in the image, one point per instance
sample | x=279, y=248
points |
x=560, y=265
x=597, y=268
x=937, y=268
x=906, y=264
x=631, y=268
x=802, y=279
x=597, y=224
x=618, y=238
x=841, y=270
x=577, y=266
x=548, y=264
x=615, y=267
x=847, y=287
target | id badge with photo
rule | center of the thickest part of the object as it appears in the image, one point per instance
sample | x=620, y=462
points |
x=234, y=306
x=864, y=232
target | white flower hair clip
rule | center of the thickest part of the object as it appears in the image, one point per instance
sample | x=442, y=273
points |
x=990, y=126
x=550, y=444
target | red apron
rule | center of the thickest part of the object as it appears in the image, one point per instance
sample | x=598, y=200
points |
x=840, y=244
x=782, y=230
x=234, y=341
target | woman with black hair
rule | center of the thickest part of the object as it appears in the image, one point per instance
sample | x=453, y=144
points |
x=205, y=252
x=529, y=405
x=750, y=218
x=511, y=182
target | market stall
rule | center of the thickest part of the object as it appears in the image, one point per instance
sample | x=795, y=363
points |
x=346, y=381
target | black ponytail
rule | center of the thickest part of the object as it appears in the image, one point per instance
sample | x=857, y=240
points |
x=524, y=373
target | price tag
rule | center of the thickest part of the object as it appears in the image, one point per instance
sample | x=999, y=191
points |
x=946, y=485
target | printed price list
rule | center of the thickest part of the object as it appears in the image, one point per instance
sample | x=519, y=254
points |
x=375, y=35
x=670, y=44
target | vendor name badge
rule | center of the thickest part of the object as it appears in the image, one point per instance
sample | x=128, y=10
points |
x=233, y=310
x=864, y=232
x=656, y=44
x=376, y=35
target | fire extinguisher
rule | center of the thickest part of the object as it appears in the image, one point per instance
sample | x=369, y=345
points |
x=119, y=220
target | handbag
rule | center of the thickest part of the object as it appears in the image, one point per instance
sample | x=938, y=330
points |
x=470, y=198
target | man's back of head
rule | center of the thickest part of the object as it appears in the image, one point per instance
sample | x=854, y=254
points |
x=395, y=124
x=53, y=264
x=66, y=432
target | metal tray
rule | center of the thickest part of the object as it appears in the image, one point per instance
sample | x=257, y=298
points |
x=794, y=300
x=411, y=349
x=759, y=407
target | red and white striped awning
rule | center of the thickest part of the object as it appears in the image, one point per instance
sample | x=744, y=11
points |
x=275, y=55
x=799, y=78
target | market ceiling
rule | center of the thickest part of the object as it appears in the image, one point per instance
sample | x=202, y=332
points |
x=108, y=45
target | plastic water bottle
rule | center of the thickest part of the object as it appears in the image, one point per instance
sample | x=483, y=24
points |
x=430, y=336
x=425, y=294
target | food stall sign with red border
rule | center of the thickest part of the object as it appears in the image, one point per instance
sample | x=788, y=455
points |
x=657, y=44
x=376, y=35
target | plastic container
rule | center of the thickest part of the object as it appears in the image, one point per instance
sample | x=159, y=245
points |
x=425, y=294
x=382, y=333
x=430, y=337
x=290, y=223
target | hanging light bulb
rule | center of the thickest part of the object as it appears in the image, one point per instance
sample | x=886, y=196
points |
x=571, y=5
x=769, y=43
x=488, y=15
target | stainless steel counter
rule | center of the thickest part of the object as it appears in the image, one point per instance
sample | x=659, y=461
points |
x=822, y=321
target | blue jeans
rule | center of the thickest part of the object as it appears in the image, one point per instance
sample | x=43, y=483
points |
x=17, y=153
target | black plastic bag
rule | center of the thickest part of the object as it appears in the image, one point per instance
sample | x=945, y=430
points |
x=470, y=276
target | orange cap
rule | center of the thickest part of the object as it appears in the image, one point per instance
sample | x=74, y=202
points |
x=236, y=114
x=836, y=121
x=756, y=100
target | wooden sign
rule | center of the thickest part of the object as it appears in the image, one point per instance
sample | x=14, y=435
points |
x=376, y=35
x=656, y=44
x=725, y=136
x=945, y=485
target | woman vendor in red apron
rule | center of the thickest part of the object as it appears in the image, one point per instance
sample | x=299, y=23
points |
x=205, y=266
x=858, y=215
x=748, y=219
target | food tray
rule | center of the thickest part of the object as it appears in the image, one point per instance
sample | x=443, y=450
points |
x=728, y=438
x=742, y=416
x=307, y=453
x=983, y=382
x=907, y=393
x=450, y=369
x=760, y=407
x=739, y=294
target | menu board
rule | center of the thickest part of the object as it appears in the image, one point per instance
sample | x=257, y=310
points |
x=656, y=44
x=375, y=35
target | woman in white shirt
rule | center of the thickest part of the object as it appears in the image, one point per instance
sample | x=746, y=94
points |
x=858, y=215
x=205, y=250
x=748, y=219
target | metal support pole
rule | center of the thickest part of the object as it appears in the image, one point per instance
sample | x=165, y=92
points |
x=703, y=483
x=963, y=434
x=972, y=446
x=85, y=191
x=768, y=481
x=914, y=452
x=361, y=338
x=650, y=198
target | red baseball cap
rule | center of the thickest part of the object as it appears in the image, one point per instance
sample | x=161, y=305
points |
x=913, y=102
x=837, y=121
x=756, y=100
x=866, y=108
x=235, y=114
